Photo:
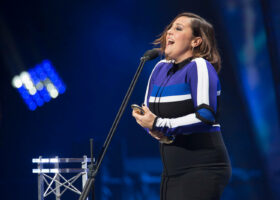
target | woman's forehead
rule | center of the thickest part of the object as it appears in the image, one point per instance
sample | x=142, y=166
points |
x=182, y=20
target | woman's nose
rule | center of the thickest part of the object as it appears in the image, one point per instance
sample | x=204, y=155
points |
x=169, y=32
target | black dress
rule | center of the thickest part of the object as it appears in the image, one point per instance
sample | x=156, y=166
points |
x=196, y=165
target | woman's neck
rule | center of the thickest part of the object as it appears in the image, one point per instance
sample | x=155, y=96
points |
x=187, y=55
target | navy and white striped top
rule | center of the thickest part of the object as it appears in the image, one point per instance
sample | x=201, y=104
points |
x=184, y=97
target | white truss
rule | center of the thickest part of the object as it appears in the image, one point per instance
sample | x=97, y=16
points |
x=59, y=184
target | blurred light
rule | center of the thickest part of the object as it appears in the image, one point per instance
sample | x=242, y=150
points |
x=16, y=82
x=35, y=160
x=54, y=160
x=39, y=84
x=36, y=171
x=46, y=95
x=62, y=90
x=54, y=170
x=32, y=91
x=49, y=86
x=40, y=72
x=44, y=160
x=54, y=93
x=45, y=170
x=28, y=84
x=32, y=105
x=37, y=98
x=24, y=76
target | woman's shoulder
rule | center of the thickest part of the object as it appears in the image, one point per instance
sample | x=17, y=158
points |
x=200, y=60
x=202, y=63
x=162, y=65
x=164, y=62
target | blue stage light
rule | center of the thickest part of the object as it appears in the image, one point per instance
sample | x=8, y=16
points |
x=39, y=84
x=45, y=95
x=37, y=98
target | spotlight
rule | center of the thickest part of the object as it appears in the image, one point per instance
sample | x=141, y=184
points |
x=16, y=82
x=38, y=85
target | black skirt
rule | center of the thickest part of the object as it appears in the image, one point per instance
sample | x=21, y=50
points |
x=201, y=183
x=195, y=167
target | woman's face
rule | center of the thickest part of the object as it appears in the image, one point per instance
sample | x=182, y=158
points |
x=178, y=40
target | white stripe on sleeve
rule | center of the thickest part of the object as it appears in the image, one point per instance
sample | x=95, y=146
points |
x=202, y=82
x=176, y=122
x=168, y=99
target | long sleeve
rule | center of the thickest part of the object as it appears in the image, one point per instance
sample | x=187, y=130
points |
x=150, y=85
x=204, y=88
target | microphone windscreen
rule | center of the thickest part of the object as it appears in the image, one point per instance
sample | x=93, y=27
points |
x=151, y=54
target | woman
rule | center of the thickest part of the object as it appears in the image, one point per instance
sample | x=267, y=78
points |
x=181, y=112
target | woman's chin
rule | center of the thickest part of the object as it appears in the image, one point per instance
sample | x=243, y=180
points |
x=168, y=55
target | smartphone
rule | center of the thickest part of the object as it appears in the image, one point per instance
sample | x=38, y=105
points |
x=138, y=109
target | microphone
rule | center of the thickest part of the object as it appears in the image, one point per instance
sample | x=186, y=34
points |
x=151, y=54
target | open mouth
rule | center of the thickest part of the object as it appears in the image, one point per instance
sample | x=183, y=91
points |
x=170, y=42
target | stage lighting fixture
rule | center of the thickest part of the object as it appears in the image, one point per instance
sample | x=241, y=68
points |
x=38, y=85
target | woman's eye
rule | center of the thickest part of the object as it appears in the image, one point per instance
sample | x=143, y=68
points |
x=178, y=28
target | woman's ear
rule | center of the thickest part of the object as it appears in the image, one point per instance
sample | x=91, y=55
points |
x=196, y=42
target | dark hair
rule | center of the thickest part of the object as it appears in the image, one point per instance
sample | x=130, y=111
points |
x=200, y=28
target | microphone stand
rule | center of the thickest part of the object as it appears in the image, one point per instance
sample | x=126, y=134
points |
x=93, y=169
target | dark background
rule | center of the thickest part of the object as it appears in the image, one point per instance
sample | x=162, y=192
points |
x=95, y=47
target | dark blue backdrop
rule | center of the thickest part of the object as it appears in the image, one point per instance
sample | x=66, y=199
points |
x=95, y=47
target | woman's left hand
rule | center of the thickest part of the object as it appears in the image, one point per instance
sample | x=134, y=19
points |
x=146, y=120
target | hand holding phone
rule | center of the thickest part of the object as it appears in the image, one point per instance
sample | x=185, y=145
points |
x=138, y=109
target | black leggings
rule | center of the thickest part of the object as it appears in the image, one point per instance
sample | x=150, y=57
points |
x=202, y=183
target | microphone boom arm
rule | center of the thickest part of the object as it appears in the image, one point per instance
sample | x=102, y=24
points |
x=149, y=55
